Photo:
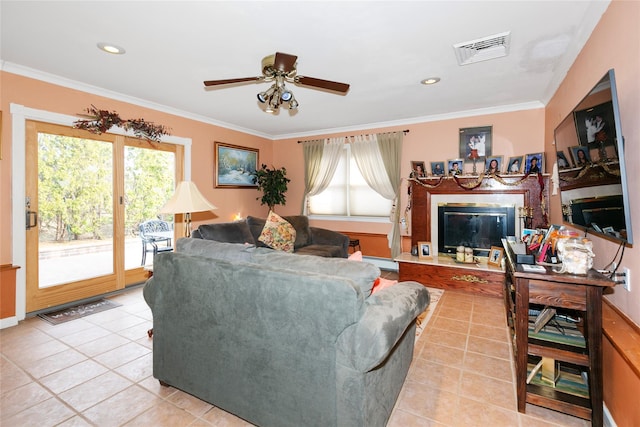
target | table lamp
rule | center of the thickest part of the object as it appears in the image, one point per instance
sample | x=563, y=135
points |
x=185, y=200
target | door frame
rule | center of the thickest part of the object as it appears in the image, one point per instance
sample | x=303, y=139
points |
x=19, y=116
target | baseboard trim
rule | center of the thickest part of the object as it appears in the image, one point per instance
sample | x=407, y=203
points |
x=607, y=419
x=382, y=263
x=8, y=322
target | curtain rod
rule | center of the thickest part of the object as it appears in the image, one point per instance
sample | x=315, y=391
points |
x=406, y=131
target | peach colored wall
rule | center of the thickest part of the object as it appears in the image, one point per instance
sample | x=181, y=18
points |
x=514, y=133
x=615, y=43
x=44, y=96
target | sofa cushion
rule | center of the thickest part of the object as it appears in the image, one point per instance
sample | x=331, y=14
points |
x=215, y=250
x=327, y=251
x=230, y=232
x=278, y=233
x=303, y=232
x=363, y=274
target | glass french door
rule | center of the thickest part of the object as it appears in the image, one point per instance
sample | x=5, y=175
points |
x=86, y=194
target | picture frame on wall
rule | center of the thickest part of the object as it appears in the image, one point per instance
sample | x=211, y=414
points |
x=424, y=250
x=438, y=169
x=417, y=169
x=534, y=163
x=515, y=164
x=475, y=143
x=455, y=167
x=496, y=254
x=493, y=165
x=563, y=162
x=580, y=155
x=235, y=166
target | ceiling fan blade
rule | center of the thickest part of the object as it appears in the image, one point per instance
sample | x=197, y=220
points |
x=322, y=84
x=229, y=81
x=284, y=62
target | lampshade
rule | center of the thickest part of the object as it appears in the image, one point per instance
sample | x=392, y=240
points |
x=187, y=199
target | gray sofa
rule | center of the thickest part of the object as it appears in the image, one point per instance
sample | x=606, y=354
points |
x=281, y=339
x=309, y=240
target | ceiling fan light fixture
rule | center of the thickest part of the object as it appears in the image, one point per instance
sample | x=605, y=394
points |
x=293, y=104
x=286, y=95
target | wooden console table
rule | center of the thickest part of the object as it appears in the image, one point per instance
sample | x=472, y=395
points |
x=444, y=273
x=581, y=294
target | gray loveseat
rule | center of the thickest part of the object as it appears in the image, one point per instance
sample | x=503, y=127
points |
x=309, y=240
x=281, y=339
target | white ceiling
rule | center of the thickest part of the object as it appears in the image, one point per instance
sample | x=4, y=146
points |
x=383, y=49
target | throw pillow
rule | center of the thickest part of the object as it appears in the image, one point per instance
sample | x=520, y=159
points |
x=382, y=283
x=278, y=233
x=356, y=256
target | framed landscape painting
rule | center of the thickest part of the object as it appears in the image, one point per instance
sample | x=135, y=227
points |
x=235, y=166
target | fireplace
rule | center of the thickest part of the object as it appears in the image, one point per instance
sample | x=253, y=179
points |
x=475, y=225
x=531, y=192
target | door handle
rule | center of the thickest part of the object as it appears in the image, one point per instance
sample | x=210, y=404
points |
x=29, y=216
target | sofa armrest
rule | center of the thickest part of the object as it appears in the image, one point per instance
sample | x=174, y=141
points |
x=322, y=236
x=388, y=313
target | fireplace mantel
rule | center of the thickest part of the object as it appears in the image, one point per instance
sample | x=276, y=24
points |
x=531, y=188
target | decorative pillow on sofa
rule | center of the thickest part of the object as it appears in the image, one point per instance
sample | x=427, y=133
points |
x=278, y=233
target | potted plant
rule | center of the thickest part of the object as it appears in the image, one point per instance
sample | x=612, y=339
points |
x=273, y=184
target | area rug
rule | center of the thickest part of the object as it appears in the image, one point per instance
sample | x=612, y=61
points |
x=78, y=311
x=425, y=316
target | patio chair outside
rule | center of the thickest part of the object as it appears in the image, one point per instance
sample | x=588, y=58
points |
x=152, y=233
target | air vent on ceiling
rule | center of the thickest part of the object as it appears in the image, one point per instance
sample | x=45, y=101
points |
x=490, y=47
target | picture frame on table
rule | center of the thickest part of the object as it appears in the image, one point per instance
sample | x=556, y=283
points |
x=417, y=169
x=534, y=163
x=496, y=254
x=515, y=164
x=455, y=167
x=438, y=169
x=475, y=143
x=235, y=166
x=580, y=156
x=493, y=165
x=425, y=250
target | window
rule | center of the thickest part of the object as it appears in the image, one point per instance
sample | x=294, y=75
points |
x=348, y=194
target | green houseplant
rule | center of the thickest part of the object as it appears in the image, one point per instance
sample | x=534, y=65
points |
x=273, y=184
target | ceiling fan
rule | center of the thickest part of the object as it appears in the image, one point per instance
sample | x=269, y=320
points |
x=281, y=68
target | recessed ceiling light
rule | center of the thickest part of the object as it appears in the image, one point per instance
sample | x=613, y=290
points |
x=430, y=80
x=111, y=48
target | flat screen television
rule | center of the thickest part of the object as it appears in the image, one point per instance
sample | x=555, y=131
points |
x=591, y=165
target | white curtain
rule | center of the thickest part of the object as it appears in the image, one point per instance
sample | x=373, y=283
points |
x=374, y=154
x=321, y=159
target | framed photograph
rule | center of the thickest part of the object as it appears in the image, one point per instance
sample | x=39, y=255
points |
x=417, y=169
x=493, y=165
x=580, y=155
x=438, y=169
x=595, y=125
x=496, y=254
x=424, y=250
x=534, y=163
x=515, y=164
x=455, y=167
x=563, y=163
x=475, y=143
x=235, y=167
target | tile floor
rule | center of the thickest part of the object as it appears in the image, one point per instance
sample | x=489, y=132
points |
x=97, y=371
